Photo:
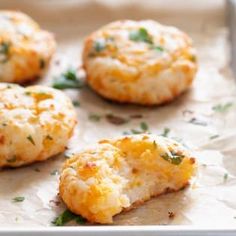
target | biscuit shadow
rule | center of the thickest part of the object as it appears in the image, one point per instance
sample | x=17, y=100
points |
x=163, y=210
x=92, y=101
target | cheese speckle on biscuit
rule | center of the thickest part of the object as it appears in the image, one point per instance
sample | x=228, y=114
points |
x=140, y=62
x=25, y=49
x=121, y=173
x=35, y=123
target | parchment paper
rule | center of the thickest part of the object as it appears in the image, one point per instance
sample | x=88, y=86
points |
x=211, y=198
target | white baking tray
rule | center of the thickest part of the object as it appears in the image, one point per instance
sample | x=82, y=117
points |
x=172, y=15
x=122, y=230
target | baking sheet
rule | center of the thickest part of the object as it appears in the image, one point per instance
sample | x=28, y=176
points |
x=210, y=200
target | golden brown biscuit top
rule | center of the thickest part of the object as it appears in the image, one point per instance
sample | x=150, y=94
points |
x=140, y=43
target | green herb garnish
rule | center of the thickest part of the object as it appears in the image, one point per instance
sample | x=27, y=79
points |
x=27, y=93
x=143, y=129
x=66, y=217
x=116, y=120
x=165, y=132
x=76, y=103
x=159, y=48
x=18, y=199
x=222, y=107
x=196, y=121
x=94, y=117
x=214, y=136
x=140, y=35
x=154, y=144
x=193, y=58
x=134, y=131
x=173, y=158
x=226, y=176
x=99, y=45
x=144, y=126
x=4, y=51
x=125, y=133
x=54, y=172
x=68, y=80
x=31, y=139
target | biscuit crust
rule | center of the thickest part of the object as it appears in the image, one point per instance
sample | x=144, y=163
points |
x=35, y=123
x=141, y=62
x=120, y=174
x=25, y=49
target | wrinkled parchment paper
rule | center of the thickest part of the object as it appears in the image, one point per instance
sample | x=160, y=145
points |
x=211, y=199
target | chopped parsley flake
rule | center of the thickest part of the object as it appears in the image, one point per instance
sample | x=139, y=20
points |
x=4, y=51
x=54, y=172
x=193, y=58
x=144, y=126
x=165, y=132
x=18, y=199
x=226, y=176
x=143, y=129
x=94, y=117
x=116, y=120
x=140, y=35
x=222, y=107
x=154, y=144
x=159, y=48
x=196, y=121
x=134, y=131
x=76, y=103
x=31, y=139
x=27, y=93
x=99, y=45
x=66, y=217
x=214, y=136
x=68, y=80
x=173, y=158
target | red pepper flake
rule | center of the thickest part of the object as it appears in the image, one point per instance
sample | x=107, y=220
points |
x=90, y=164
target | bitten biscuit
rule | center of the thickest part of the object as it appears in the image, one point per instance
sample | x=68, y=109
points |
x=119, y=174
x=25, y=49
x=35, y=123
x=140, y=62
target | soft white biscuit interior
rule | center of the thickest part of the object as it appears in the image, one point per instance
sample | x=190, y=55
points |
x=119, y=174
